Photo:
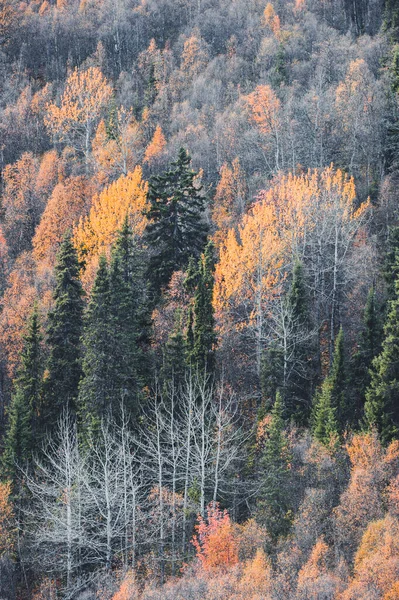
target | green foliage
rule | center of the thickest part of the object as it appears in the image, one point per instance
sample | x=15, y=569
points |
x=129, y=322
x=64, y=335
x=301, y=373
x=174, y=359
x=331, y=409
x=368, y=347
x=23, y=431
x=96, y=385
x=176, y=229
x=287, y=363
x=204, y=337
x=274, y=504
x=381, y=406
x=391, y=262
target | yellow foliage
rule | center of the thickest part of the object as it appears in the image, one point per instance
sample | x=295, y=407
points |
x=255, y=583
x=96, y=232
x=85, y=95
x=371, y=540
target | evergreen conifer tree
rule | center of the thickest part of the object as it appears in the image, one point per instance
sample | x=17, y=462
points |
x=128, y=322
x=23, y=431
x=64, y=336
x=174, y=360
x=331, y=407
x=176, y=228
x=204, y=338
x=299, y=384
x=369, y=346
x=274, y=508
x=95, y=389
x=325, y=427
x=382, y=405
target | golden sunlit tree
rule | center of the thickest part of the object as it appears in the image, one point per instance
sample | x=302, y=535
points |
x=96, y=232
x=74, y=120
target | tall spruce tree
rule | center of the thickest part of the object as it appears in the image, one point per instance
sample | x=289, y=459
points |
x=324, y=422
x=391, y=262
x=23, y=431
x=368, y=347
x=176, y=228
x=274, y=506
x=95, y=389
x=174, y=355
x=204, y=337
x=64, y=336
x=129, y=322
x=301, y=369
x=382, y=397
x=331, y=409
x=287, y=363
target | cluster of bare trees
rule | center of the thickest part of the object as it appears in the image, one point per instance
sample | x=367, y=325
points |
x=117, y=496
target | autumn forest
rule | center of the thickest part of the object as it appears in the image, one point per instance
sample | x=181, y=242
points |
x=199, y=300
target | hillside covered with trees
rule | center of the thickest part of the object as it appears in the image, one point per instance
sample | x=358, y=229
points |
x=199, y=300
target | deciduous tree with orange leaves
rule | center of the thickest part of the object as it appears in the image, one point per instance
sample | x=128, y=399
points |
x=215, y=541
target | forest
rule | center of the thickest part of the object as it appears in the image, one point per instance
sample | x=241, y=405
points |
x=199, y=300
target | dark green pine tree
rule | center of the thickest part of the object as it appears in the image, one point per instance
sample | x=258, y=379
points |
x=64, y=336
x=391, y=262
x=382, y=397
x=176, y=228
x=368, y=348
x=174, y=356
x=391, y=19
x=331, y=410
x=274, y=507
x=204, y=337
x=271, y=373
x=299, y=384
x=23, y=431
x=324, y=422
x=129, y=323
x=95, y=389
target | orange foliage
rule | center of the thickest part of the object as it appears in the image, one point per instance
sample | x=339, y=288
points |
x=194, y=57
x=156, y=147
x=85, y=96
x=393, y=593
x=25, y=285
x=117, y=154
x=68, y=202
x=229, y=201
x=265, y=109
x=271, y=19
x=215, y=542
x=364, y=500
x=316, y=564
x=21, y=203
x=6, y=519
x=127, y=588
